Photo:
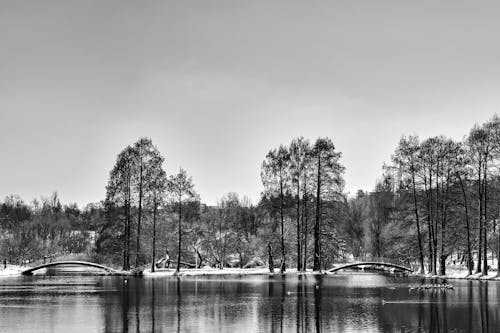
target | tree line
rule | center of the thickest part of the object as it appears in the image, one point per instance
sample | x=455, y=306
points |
x=299, y=180
x=303, y=185
x=41, y=228
x=147, y=214
x=434, y=205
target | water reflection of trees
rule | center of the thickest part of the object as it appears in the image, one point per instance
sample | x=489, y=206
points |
x=153, y=306
x=280, y=305
x=464, y=309
x=179, y=302
x=301, y=304
x=309, y=297
x=317, y=305
x=125, y=305
x=320, y=308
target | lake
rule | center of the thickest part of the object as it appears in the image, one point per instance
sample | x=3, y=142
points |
x=346, y=302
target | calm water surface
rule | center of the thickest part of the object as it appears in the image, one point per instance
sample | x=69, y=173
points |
x=340, y=303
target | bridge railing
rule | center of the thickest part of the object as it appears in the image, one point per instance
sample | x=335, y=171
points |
x=339, y=267
x=30, y=270
x=387, y=260
x=369, y=258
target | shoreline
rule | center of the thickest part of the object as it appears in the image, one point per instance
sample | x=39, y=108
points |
x=226, y=271
x=453, y=274
x=492, y=276
x=12, y=270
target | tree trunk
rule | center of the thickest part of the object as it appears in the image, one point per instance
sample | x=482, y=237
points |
x=224, y=244
x=444, y=207
x=485, y=240
x=200, y=259
x=419, y=236
x=177, y=269
x=317, y=259
x=270, y=260
x=129, y=224
x=155, y=208
x=470, y=262
x=138, y=245
x=283, y=259
x=220, y=242
x=498, y=252
x=436, y=219
x=305, y=218
x=428, y=193
x=125, y=237
x=299, y=250
x=480, y=236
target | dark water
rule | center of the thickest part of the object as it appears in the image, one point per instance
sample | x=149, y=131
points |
x=341, y=303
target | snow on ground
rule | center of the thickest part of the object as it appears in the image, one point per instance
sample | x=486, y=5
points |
x=453, y=272
x=215, y=271
x=11, y=270
x=460, y=272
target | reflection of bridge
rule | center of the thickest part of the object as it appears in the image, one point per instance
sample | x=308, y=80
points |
x=374, y=263
x=109, y=270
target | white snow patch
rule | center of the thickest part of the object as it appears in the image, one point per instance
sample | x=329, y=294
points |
x=215, y=271
x=12, y=270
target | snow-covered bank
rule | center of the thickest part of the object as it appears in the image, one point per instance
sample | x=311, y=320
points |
x=216, y=271
x=11, y=270
x=462, y=274
x=452, y=272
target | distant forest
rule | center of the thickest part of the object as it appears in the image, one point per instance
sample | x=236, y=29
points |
x=437, y=202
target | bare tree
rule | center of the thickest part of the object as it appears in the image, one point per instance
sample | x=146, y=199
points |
x=119, y=191
x=274, y=176
x=462, y=172
x=300, y=151
x=148, y=161
x=329, y=182
x=405, y=159
x=156, y=195
x=479, y=149
x=181, y=188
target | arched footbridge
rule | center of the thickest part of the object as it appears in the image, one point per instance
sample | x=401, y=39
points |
x=373, y=263
x=109, y=270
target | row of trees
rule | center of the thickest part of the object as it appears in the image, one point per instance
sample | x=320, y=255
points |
x=146, y=211
x=42, y=228
x=139, y=183
x=299, y=175
x=437, y=199
x=435, y=203
x=302, y=182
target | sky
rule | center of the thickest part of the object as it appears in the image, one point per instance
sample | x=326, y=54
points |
x=217, y=84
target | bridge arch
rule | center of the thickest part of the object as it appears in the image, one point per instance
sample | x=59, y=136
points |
x=357, y=264
x=30, y=271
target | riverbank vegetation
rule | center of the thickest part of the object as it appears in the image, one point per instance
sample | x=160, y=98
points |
x=435, y=204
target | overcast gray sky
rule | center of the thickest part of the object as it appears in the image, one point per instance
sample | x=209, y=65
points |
x=216, y=84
